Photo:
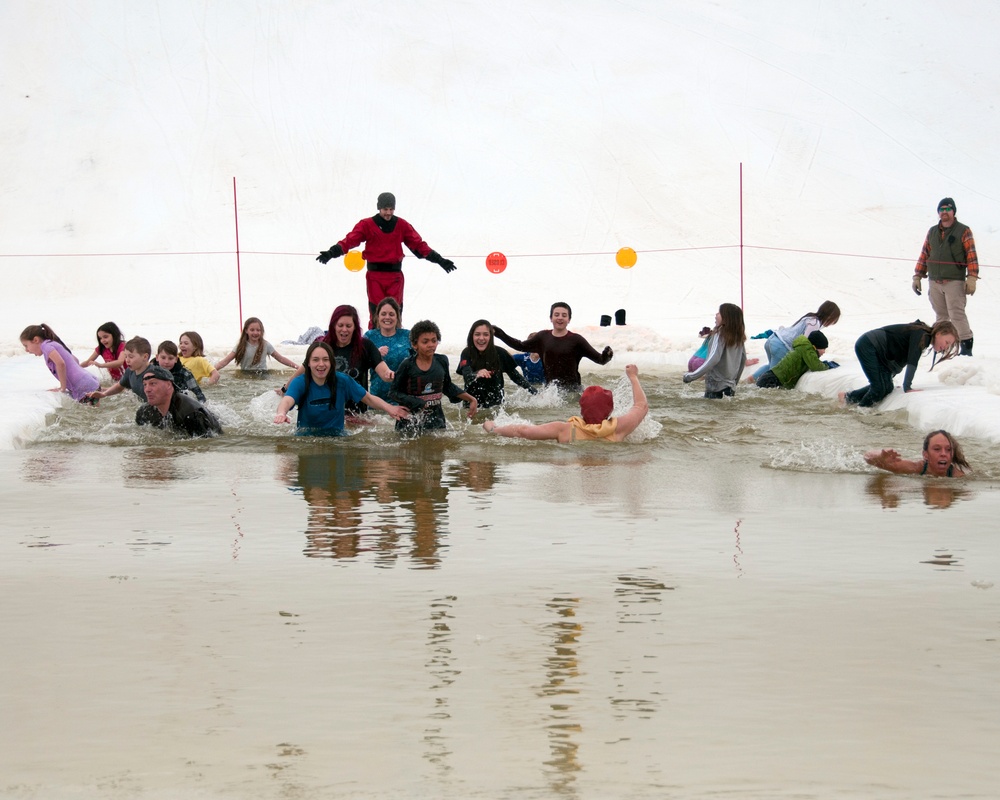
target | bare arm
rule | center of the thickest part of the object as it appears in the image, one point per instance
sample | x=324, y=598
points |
x=60, y=365
x=891, y=461
x=630, y=420
x=396, y=412
x=114, y=388
x=225, y=361
x=281, y=415
x=286, y=361
x=92, y=359
x=560, y=431
x=473, y=403
x=383, y=371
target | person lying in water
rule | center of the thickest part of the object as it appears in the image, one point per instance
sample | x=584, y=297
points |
x=942, y=458
x=595, y=421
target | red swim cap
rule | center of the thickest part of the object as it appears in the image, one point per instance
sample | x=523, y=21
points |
x=596, y=405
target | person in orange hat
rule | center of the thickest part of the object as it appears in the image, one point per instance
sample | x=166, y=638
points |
x=594, y=423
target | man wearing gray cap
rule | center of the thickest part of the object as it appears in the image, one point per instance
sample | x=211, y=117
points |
x=949, y=259
x=169, y=409
x=384, y=236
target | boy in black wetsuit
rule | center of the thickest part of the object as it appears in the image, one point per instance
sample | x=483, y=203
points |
x=423, y=380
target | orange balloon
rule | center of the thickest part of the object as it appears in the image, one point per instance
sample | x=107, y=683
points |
x=354, y=262
x=626, y=258
x=496, y=263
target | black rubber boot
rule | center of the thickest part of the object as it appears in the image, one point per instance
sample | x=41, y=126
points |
x=605, y=320
x=620, y=316
x=966, y=347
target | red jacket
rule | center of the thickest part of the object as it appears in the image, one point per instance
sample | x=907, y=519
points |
x=385, y=248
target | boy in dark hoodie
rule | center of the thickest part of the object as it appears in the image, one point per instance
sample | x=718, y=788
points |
x=803, y=357
x=184, y=382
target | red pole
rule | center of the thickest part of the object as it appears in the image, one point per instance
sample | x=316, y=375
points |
x=741, y=235
x=239, y=285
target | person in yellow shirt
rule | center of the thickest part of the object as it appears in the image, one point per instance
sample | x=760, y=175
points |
x=594, y=423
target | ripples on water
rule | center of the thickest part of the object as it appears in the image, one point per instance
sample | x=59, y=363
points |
x=701, y=611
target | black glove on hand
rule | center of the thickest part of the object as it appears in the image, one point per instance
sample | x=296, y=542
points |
x=608, y=354
x=435, y=258
x=334, y=252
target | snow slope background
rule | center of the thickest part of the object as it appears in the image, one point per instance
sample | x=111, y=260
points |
x=555, y=134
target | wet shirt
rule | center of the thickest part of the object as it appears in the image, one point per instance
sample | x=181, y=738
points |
x=321, y=413
x=421, y=391
x=185, y=415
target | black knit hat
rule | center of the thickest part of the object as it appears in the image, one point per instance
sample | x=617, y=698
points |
x=946, y=201
x=818, y=340
x=386, y=200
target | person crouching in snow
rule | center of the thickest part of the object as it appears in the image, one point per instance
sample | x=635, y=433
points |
x=803, y=358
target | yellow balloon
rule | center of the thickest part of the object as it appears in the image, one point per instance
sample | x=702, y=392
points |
x=626, y=258
x=354, y=262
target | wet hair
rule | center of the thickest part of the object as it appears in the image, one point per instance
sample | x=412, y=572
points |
x=116, y=336
x=139, y=345
x=946, y=327
x=957, y=456
x=167, y=347
x=488, y=358
x=197, y=344
x=828, y=313
x=560, y=304
x=43, y=332
x=241, y=345
x=390, y=301
x=422, y=327
x=331, y=379
x=731, y=330
x=356, y=344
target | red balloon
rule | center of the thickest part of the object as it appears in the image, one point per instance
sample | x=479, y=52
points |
x=496, y=263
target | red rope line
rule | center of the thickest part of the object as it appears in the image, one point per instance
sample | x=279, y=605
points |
x=474, y=256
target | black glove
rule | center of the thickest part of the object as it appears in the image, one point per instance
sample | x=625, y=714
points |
x=334, y=252
x=607, y=354
x=831, y=364
x=435, y=258
x=532, y=390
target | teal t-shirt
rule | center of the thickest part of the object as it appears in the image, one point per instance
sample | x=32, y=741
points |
x=319, y=413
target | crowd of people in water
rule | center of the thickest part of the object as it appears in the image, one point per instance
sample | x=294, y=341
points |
x=398, y=371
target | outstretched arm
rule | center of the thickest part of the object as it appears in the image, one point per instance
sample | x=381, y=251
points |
x=396, y=412
x=891, y=461
x=286, y=361
x=630, y=420
x=560, y=431
x=510, y=341
x=225, y=361
x=60, y=365
x=281, y=415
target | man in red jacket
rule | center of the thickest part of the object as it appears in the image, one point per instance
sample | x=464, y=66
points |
x=384, y=236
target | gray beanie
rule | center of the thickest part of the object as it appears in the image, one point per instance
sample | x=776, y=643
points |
x=386, y=200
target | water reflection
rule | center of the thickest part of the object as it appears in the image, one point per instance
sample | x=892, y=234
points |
x=367, y=503
x=47, y=465
x=891, y=491
x=640, y=598
x=151, y=465
x=441, y=666
x=562, y=671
